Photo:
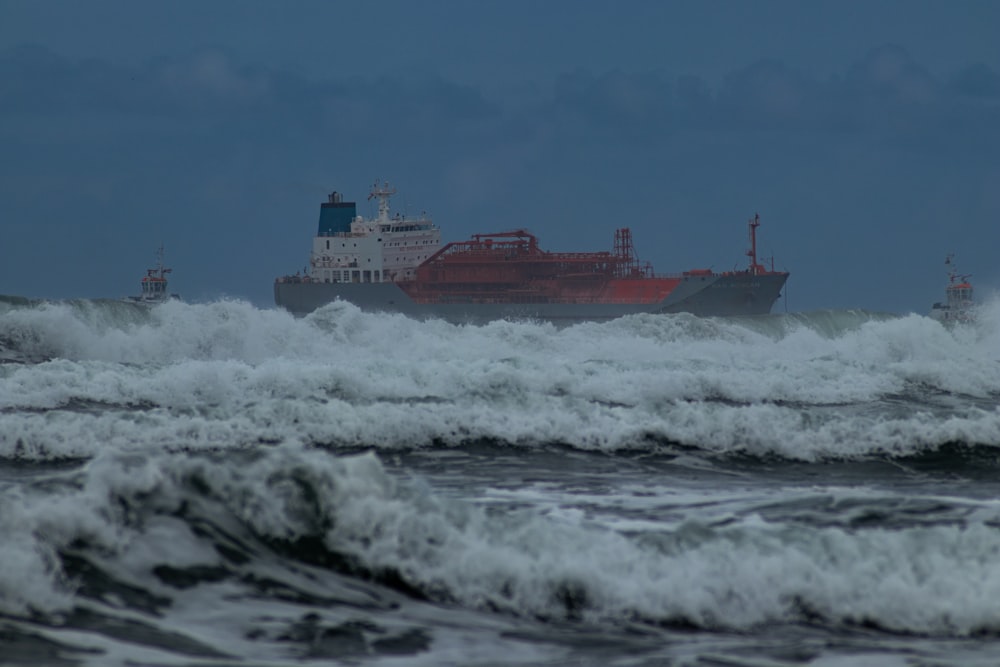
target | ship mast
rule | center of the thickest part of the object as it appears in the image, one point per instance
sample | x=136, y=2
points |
x=383, y=191
x=953, y=276
x=158, y=271
x=755, y=268
x=958, y=284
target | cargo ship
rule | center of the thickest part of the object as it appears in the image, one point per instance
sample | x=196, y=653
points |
x=395, y=263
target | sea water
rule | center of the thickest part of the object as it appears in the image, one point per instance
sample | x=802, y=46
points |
x=218, y=484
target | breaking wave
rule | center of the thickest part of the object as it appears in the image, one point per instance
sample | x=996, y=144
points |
x=812, y=386
x=122, y=533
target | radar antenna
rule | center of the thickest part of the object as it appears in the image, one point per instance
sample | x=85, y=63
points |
x=383, y=191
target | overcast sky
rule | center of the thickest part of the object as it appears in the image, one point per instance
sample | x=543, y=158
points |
x=866, y=134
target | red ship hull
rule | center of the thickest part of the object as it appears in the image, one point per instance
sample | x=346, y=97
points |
x=509, y=268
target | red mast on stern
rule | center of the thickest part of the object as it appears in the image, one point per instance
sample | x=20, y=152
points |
x=755, y=268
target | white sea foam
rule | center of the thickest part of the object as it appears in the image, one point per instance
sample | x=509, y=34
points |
x=738, y=573
x=937, y=580
x=227, y=374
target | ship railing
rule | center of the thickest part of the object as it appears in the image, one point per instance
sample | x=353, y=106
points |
x=415, y=226
x=345, y=235
x=575, y=256
x=319, y=264
x=411, y=226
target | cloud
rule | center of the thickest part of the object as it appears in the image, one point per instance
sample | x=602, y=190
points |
x=37, y=81
x=977, y=81
x=615, y=98
x=213, y=74
x=889, y=71
x=767, y=94
x=885, y=91
x=209, y=84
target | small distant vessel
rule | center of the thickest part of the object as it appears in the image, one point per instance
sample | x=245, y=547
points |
x=958, y=305
x=396, y=263
x=154, y=283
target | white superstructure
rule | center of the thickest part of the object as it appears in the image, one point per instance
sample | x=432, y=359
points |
x=154, y=283
x=386, y=249
x=958, y=305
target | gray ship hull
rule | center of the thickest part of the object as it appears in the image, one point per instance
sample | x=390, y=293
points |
x=712, y=295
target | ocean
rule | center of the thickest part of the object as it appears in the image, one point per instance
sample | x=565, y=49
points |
x=220, y=484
